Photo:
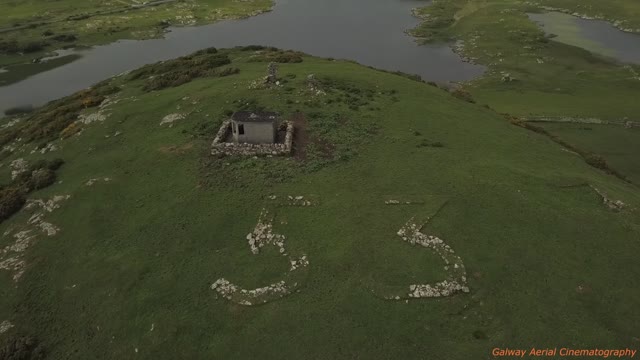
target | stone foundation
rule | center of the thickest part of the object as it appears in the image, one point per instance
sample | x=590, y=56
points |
x=221, y=147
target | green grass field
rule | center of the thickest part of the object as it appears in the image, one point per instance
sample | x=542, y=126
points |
x=545, y=77
x=617, y=144
x=129, y=273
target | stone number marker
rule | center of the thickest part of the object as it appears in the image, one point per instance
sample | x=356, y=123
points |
x=263, y=235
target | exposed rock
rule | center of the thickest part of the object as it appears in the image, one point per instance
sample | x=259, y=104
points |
x=5, y=326
x=171, y=118
x=92, y=181
x=18, y=166
x=615, y=205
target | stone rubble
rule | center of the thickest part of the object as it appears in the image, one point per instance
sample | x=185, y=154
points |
x=18, y=166
x=615, y=205
x=5, y=326
x=49, y=205
x=171, y=118
x=403, y=202
x=11, y=256
x=50, y=147
x=255, y=296
x=302, y=262
x=298, y=201
x=314, y=86
x=10, y=123
x=92, y=181
x=272, y=73
x=263, y=234
x=87, y=119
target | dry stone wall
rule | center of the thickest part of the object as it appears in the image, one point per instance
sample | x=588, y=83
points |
x=220, y=147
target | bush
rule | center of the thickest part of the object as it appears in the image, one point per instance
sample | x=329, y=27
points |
x=65, y=38
x=596, y=161
x=182, y=70
x=22, y=348
x=228, y=71
x=42, y=178
x=33, y=47
x=24, y=109
x=11, y=201
x=463, y=95
x=251, y=48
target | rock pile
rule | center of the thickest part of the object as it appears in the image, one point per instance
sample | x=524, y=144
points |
x=403, y=202
x=11, y=256
x=314, y=85
x=615, y=205
x=5, y=326
x=255, y=296
x=92, y=181
x=298, y=200
x=272, y=74
x=302, y=262
x=45, y=149
x=18, y=166
x=263, y=234
x=171, y=118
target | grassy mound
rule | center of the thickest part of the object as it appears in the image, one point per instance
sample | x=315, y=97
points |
x=150, y=220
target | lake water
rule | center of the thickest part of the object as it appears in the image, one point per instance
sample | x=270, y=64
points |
x=597, y=36
x=370, y=32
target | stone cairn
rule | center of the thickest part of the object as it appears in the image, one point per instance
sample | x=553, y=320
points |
x=272, y=74
x=314, y=85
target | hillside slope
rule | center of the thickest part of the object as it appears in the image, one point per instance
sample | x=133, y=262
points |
x=152, y=220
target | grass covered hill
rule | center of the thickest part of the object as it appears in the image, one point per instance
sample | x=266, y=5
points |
x=115, y=259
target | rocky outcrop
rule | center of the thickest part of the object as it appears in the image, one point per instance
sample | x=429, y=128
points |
x=5, y=326
x=12, y=256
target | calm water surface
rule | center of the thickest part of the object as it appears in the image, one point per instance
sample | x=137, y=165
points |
x=597, y=36
x=368, y=31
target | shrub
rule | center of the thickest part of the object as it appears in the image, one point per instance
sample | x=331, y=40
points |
x=22, y=348
x=33, y=47
x=24, y=109
x=288, y=58
x=65, y=38
x=55, y=164
x=596, y=161
x=228, y=71
x=251, y=48
x=42, y=178
x=463, y=95
x=11, y=200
